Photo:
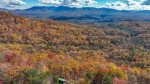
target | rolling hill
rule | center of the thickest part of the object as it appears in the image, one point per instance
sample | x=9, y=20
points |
x=47, y=50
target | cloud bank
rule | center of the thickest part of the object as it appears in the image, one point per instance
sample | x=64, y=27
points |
x=130, y=5
x=11, y=3
x=118, y=4
x=69, y=2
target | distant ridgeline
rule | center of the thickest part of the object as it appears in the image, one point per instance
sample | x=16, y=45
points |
x=82, y=15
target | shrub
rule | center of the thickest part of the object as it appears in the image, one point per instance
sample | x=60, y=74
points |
x=36, y=77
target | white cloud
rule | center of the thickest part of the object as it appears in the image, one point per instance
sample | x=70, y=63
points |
x=129, y=5
x=116, y=5
x=68, y=2
x=11, y=3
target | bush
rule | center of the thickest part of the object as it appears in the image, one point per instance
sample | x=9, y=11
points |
x=107, y=80
x=89, y=75
x=36, y=77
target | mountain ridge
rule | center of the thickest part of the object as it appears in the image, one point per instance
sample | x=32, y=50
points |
x=71, y=14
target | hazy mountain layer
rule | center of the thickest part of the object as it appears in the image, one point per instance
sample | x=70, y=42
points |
x=83, y=15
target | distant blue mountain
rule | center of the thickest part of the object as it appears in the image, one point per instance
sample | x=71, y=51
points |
x=3, y=9
x=65, y=8
x=51, y=8
x=84, y=15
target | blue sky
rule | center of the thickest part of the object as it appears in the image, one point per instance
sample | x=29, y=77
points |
x=115, y=4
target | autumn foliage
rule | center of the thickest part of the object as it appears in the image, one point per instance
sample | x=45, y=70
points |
x=41, y=52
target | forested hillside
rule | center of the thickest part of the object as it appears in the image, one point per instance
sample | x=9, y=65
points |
x=43, y=51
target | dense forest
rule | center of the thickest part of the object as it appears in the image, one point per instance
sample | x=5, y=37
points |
x=47, y=52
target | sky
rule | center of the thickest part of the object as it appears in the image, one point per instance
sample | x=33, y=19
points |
x=115, y=4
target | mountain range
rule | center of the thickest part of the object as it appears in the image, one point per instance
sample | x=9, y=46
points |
x=82, y=15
